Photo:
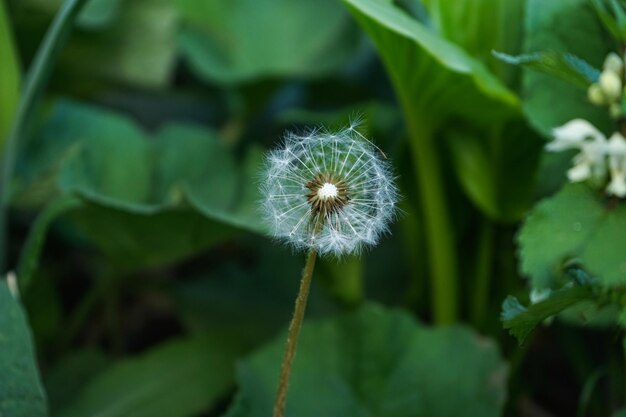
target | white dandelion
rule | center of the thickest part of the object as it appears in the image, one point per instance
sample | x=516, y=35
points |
x=331, y=192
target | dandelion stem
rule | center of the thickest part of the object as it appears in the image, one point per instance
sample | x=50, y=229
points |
x=293, y=333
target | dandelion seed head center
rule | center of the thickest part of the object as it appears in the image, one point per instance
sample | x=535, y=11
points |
x=327, y=191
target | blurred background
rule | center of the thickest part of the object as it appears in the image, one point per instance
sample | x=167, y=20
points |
x=146, y=276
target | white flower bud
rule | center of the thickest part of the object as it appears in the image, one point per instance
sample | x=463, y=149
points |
x=611, y=85
x=595, y=95
x=614, y=63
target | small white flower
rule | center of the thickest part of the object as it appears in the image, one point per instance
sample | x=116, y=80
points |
x=572, y=134
x=331, y=192
x=616, y=150
x=582, y=135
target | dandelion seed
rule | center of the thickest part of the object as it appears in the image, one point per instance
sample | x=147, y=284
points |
x=331, y=192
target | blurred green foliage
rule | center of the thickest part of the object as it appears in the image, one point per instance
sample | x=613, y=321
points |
x=149, y=281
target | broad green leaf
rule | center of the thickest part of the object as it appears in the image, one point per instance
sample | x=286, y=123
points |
x=240, y=40
x=9, y=76
x=566, y=67
x=434, y=78
x=163, y=197
x=375, y=362
x=577, y=224
x=522, y=321
x=589, y=42
x=179, y=379
x=21, y=393
x=132, y=42
x=480, y=26
x=442, y=88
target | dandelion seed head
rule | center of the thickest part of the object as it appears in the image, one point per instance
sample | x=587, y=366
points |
x=332, y=192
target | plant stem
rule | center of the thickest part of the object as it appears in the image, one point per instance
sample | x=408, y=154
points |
x=34, y=85
x=482, y=274
x=293, y=334
x=439, y=232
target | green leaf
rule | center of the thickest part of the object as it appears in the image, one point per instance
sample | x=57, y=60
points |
x=375, y=362
x=480, y=26
x=240, y=40
x=566, y=67
x=178, y=379
x=21, y=393
x=432, y=76
x=439, y=83
x=9, y=76
x=163, y=197
x=130, y=42
x=576, y=224
x=589, y=42
x=522, y=321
